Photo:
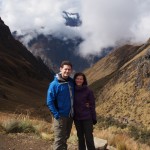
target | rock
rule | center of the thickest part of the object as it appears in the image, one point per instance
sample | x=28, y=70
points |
x=100, y=144
x=111, y=148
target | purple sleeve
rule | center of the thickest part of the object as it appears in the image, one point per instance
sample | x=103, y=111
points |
x=92, y=104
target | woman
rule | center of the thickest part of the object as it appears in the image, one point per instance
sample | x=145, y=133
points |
x=84, y=112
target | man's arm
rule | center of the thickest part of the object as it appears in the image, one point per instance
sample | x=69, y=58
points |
x=51, y=98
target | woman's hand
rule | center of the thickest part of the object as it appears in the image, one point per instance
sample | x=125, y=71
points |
x=94, y=122
x=87, y=105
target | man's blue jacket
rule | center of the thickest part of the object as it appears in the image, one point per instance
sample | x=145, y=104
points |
x=59, y=98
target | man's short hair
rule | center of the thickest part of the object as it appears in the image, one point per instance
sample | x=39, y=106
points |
x=66, y=62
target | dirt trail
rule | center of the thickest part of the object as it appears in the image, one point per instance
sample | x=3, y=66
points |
x=26, y=142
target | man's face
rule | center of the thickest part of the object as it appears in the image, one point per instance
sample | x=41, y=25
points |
x=66, y=71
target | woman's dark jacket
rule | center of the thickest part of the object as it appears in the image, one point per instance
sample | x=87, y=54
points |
x=82, y=110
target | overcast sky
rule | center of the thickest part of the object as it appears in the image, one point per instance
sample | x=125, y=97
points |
x=104, y=22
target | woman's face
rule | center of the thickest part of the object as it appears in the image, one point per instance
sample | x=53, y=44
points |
x=79, y=80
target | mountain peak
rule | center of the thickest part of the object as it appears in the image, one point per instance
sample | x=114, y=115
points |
x=1, y=21
x=72, y=19
x=4, y=30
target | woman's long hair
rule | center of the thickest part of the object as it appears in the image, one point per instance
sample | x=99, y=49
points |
x=80, y=74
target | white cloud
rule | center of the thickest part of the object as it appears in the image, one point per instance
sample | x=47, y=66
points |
x=104, y=22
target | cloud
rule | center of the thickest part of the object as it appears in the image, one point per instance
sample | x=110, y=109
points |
x=104, y=23
x=111, y=22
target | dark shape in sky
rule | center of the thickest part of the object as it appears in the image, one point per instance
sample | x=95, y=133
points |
x=72, y=19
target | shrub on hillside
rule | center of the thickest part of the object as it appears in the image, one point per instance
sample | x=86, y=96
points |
x=15, y=126
x=141, y=134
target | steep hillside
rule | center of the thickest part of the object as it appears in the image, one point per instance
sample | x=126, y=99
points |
x=121, y=82
x=111, y=62
x=23, y=78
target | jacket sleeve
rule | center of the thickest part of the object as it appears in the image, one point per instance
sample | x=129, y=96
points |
x=92, y=105
x=51, y=97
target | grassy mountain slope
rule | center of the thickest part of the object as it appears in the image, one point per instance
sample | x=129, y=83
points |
x=111, y=62
x=121, y=82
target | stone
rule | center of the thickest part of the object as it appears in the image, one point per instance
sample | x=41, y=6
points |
x=100, y=144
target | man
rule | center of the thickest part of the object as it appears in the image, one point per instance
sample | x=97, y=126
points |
x=60, y=102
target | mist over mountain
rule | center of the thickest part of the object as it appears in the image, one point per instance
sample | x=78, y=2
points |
x=105, y=25
x=102, y=23
x=53, y=50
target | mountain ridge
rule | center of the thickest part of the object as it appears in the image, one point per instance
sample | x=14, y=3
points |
x=122, y=87
x=24, y=78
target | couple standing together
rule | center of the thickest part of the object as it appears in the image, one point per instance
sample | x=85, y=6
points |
x=71, y=100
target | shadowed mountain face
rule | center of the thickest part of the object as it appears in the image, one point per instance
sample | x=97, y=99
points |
x=56, y=50
x=121, y=82
x=24, y=79
x=53, y=50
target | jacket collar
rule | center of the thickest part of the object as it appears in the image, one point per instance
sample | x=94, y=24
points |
x=60, y=79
